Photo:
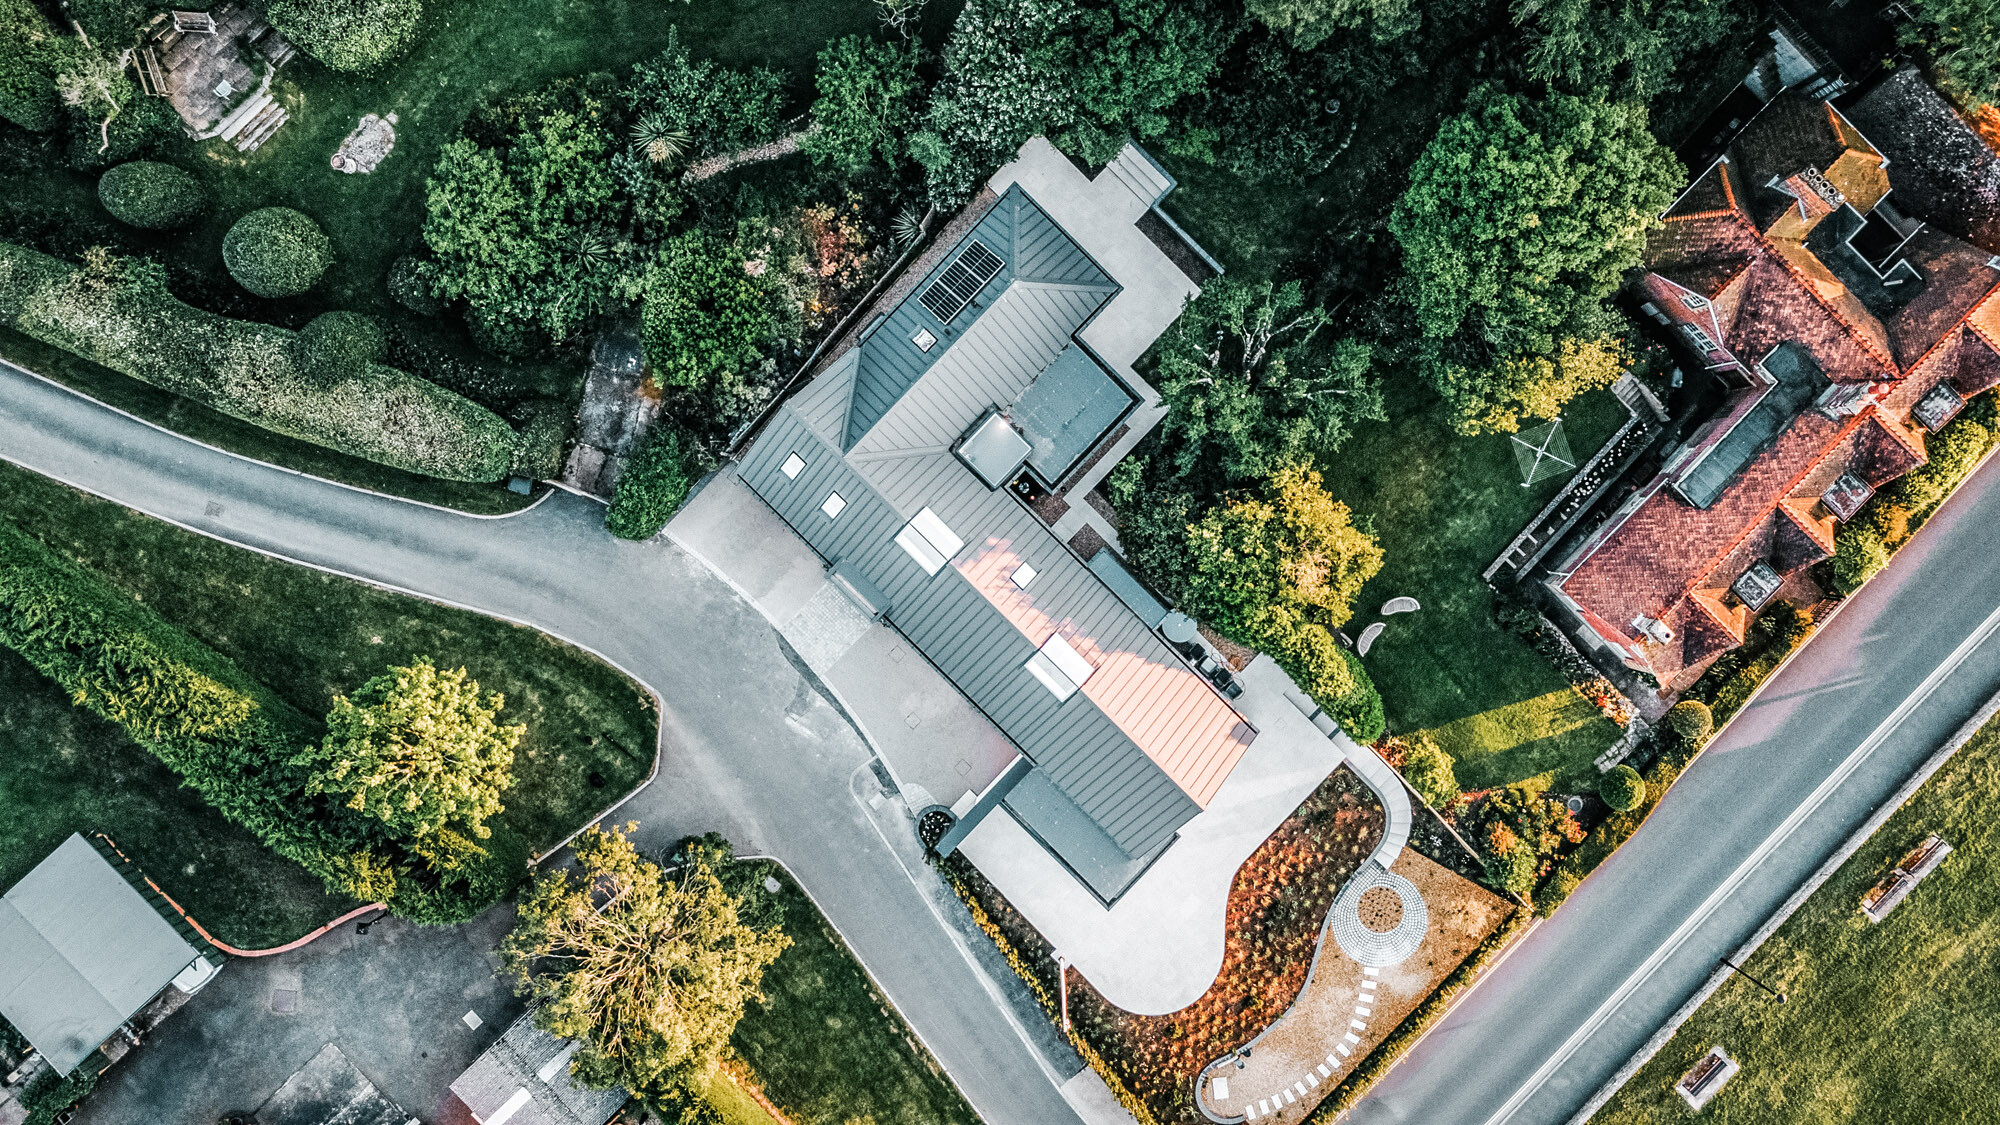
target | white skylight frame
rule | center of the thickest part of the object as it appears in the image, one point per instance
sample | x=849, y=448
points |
x=1023, y=575
x=929, y=541
x=925, y=339
x=793, y=466
x=1059, y=667
x=833, y=505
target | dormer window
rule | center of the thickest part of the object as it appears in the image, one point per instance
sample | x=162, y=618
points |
x=1694, y=302
x=1698, y=338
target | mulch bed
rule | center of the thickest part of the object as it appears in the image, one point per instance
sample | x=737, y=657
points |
x=1276, y=907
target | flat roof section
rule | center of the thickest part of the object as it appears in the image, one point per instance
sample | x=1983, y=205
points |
x=1066, y=409
x=1797, y=381
x=993, y=451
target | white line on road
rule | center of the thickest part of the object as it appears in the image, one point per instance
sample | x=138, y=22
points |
x=1736, y=878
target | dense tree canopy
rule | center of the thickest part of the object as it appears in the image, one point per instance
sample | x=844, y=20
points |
x=30, y=55
x=1496, y=400
x=348, y=34
x=716, y=108
x=1963, y=39
x=867, y=102
x=648, y=970
x=421, y=754
x=1262, y=564
x=523, y=229
x=1309, y=22
x=707, y=314
x=1249, y=387
x=1628, y=48
x=1520, y=218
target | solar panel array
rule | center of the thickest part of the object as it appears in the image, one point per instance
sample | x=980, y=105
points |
x=961, y=281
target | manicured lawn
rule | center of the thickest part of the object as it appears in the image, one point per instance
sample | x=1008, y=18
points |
x=1444, y=506
x=736, y=1106
x=591, y=732
x=825, y=1046
x=64, y=770
x=1893, y=1022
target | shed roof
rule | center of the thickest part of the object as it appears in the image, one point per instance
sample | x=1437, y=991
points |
x=83, y=952
x=524, y=1079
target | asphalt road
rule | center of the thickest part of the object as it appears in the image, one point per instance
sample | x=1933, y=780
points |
x=750, y=747
x=1883, y=684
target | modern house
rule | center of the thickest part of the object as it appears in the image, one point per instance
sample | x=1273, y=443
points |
x=523, y=1079
x=1844, y=327
x=1000, y=371
x=83, y=951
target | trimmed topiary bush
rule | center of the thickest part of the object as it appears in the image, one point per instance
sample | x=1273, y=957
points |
x=409, y=287
x=348, y=34
x=338, y=342
x=119, y=313
x=655, y=482
x=1858, y=555
x=1622, y=788
x=1691, y=721
x=538, y=449
x=276, y=252
x=151, y=195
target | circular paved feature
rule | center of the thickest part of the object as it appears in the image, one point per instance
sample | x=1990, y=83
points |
x=1381, y=909
x=1369, y=946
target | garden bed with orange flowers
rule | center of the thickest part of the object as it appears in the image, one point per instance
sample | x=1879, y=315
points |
x=1276, y=907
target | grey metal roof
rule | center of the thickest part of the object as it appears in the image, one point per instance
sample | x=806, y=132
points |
x=1050, y=816
x=1038, y=259
x=1798, y=382
x=81, y=951
x=529, y=1069
x=1067, y=408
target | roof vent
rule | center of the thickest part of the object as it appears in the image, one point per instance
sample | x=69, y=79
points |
x=1657, y=630
x=961, y=281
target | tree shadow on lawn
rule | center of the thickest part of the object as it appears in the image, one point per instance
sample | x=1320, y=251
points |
x=1521, y=740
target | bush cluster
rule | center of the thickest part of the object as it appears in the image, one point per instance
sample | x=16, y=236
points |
x=30, y=54
x=538, y=450
x=337, y=342
x=1691, y=721
x=655, y=482
x=151, y=195
x=118, y=313
x=409, y=287
x=1429, y=771
x=276, y=252
x=1730, y=681
x=348, y=34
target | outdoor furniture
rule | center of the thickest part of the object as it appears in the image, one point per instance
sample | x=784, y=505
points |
x=1707, y=1076
x=1898, y=883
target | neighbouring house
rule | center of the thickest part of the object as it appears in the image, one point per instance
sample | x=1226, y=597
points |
x=1844, y=326
x=524, y=1079
x=85, y=957
x=907, y=462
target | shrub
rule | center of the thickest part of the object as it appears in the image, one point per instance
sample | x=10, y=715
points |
x=1513, y=870
x=276, y=252
x=1332, y=676
x=30, y=54
x=538, y=448
x=49, y=1094
x=1691, y=721
x=340, y=341
x=716, y=108
x=707, y=314
x=148, y=194
x=1428, y=770
x=655, y=482
x=1954, y=452
x=348, y=34
x=1859, y=554
x=1622, y=788
x=118, y=313
x=409, y=287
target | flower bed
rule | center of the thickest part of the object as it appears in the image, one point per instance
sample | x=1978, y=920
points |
x=1276, y=907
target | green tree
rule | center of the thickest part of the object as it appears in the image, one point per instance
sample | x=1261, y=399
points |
x=422, y=754
x=1248, y=389
x=1498, y=399
x=1859, y=554
x=276, y=252
x=707, y=316
x=1309, y=22
x=31, y=53
x=1622, y=788
x=525, y=232
x=1260, y=566
x=351, y=35
x=1520, y=218
x=648, y=970
x=709, y=109
x=867, y=102
x=1628, y=48
x=655, y=482
x=1962, y=38
x=1429, y=771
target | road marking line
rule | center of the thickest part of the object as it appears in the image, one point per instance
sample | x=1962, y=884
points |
x=1749, y=865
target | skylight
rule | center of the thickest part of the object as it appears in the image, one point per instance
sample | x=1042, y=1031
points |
x=961, y=281
x=929, y=541
x=1060, y=668
x=834, y=503
x=793, y=466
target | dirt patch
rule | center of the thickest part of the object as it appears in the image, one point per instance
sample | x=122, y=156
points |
x=1276, y=907
x=1086, y=543
x=1237, y=656
x=1291, y=1054
x=1049, y=508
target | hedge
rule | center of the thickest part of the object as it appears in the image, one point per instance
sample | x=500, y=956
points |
x=276, y=252
x=151, y=195
x=30, y=54
x=1435, y=1007
x=348, y=34
x=118, y=313
x=340, y=341
x=655, y=483
x=1333, y=677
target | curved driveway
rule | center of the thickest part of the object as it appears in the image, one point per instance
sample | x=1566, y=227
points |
x=1881, y=686
x=750, y=748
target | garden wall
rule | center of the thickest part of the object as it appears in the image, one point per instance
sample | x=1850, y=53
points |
x=118, y=313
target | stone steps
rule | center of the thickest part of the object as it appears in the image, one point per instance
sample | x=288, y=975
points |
x=253, y=137
x=1136, y=172
x=242, y=115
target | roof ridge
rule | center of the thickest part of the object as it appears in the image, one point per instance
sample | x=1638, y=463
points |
x=1964, y=321
x=1805, y=521
x=1725, y=213
x=1899, y=432
x=1867, y=343
x=1711, y=606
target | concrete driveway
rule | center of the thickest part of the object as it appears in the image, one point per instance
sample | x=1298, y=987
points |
x=750, y=747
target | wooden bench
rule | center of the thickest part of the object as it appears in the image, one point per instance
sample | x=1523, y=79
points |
x=1706, y=1077
x=1897, y=884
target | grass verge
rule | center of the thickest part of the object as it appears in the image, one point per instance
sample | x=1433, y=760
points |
x=1888, y=1022
x=591, y=732
x=825, y=1046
